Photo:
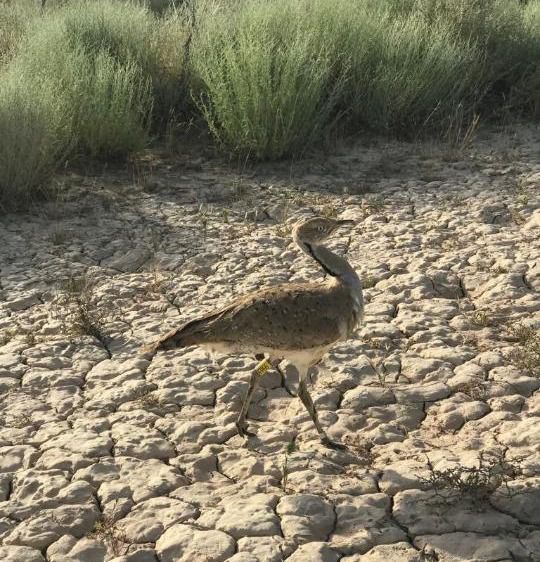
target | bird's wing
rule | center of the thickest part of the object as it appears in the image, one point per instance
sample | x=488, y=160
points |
x=284, y=317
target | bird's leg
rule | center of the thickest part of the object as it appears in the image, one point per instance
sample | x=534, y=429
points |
x=259, y=371
x=304, y=395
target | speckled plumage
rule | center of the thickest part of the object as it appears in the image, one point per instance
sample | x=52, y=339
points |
x=298, y=322
x=292, y=316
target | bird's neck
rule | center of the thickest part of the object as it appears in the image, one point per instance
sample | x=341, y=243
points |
x=334, y=265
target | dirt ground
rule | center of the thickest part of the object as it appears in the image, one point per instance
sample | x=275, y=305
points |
x=107, y=456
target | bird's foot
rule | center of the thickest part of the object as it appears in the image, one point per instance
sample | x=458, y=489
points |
x=242, y=428
x=332, y=444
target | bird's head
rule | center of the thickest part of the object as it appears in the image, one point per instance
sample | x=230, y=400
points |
x=316, y=230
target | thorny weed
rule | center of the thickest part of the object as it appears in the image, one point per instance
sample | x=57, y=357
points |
x=157, y=285
x=283, y=231
x=328, y=211
x=373, y=205
x=480, y=318
x=521, y=193
x=476, y=483
x=500, y=270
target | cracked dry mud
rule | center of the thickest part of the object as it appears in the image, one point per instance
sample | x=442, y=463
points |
x=104, y=456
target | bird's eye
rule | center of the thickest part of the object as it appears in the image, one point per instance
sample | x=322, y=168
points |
x=320, y=228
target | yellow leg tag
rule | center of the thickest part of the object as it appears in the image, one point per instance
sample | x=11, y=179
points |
x=263, y=367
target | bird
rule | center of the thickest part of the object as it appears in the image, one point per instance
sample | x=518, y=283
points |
x=296, y=322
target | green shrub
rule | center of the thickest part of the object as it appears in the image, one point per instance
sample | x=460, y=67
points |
x=525, y=92
x=401, y=74
x=411, y=76
x=505, y=34
x=35, y=137
x=129, y=32
x=100, y=68
x=270, y=77
x=13, y=22
x=264, y=78
x=113, y=104
x=171, y=78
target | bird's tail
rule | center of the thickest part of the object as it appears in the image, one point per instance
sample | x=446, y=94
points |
x=188, y=334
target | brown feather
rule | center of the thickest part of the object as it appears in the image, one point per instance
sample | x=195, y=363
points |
x=291, y=316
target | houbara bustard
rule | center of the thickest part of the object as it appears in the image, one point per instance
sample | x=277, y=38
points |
x=297, y=322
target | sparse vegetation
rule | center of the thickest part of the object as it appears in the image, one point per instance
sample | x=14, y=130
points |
x=82, y=315
x=475, y=389
x=18, y=331
x=369, y=281
x=526, y=356
x=146, y=398
x=106, y=530
x=474, y=483
x=362, y=447
x=291, y=448
x=283, y=231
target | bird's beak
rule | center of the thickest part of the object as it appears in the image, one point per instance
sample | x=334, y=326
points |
x=345, y=222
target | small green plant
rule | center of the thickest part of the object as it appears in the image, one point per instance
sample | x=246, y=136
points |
x=373, y=205
x=291, y=448
x=283, y=230
x=18, y=331
x=158, y=283
x=476, y=483
x=329, y=211
x=480, y=318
